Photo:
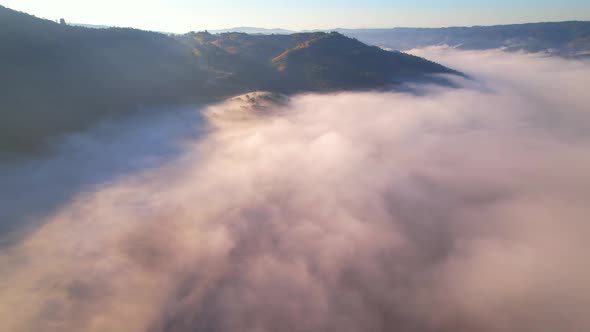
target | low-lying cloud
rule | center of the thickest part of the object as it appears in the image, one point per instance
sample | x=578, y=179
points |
x=453, y=210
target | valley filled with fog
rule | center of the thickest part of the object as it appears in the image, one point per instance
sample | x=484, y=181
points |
x=441, y=208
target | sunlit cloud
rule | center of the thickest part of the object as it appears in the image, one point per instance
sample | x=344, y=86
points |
x=457, y=209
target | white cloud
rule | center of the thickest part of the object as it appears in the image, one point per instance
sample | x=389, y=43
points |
x=458, y=210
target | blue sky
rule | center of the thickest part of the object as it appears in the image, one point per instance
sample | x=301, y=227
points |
x=186, y=15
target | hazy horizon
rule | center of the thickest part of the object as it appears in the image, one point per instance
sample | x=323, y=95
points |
x=181, y=16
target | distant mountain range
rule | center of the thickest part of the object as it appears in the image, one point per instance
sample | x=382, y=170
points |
x=58, y=78
x=93, y=26
x=250, y=30
x=253, y=30
x=571, y=39
x=559, y=38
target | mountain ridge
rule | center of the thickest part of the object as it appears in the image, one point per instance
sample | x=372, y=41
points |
x=59, y=78
x=566, y=38
x=562, y=38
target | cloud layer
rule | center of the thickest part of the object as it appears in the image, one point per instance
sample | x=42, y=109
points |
x=449, y=210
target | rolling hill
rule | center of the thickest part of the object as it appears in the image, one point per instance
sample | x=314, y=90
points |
x=569, y=38
x=59, y=78
x=254, y=30
x=315, y=61
x=329, y=61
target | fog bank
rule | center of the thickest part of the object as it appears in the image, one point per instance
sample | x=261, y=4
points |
x=452, y=210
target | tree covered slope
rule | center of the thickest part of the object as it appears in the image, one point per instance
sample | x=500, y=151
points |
x=58, y=78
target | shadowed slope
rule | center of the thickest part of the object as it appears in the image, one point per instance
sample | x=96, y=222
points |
x=333, y=61
x=58, y=78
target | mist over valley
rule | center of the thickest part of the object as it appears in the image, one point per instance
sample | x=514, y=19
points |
x=295, y=182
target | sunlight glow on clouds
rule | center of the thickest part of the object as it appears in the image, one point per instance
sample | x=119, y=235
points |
x=453, y=210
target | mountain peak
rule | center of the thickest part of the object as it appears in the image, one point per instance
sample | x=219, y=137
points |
x=333, y=61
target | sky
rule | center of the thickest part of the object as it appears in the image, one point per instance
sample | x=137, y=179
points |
x=186, y=15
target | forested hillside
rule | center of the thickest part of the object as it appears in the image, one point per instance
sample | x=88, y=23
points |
x=58, y=78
